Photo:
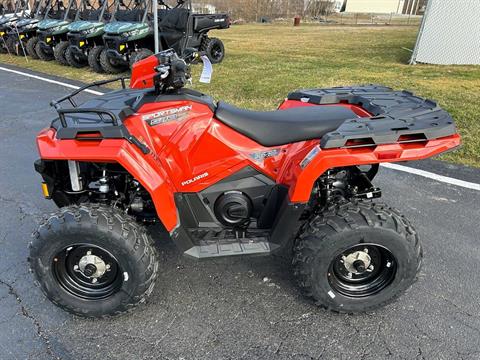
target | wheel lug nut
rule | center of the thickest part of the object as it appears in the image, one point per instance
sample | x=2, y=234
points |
x=359, y=265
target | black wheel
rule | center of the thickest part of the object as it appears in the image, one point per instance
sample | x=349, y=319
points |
x=94, y=59
x=75, y=60
x=31, y=43
x=139, y=55
x=214, y=49
x=59, y=52
x=11, y=44
x=93, y=261
x=42, y=53
x=357, y=257
x=108, y=65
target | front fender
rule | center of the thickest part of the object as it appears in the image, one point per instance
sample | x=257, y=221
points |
x=146, y=169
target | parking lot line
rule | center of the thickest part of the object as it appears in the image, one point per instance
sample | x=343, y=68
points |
x=50, y=81
x=433, y=176
x=418, y=172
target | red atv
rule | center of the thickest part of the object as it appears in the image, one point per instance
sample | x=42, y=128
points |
x=225, y=181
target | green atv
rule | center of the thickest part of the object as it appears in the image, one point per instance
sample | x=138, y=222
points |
x=52, y=31
x=130, y=37
x=8, y=19
x=129, y=28
x=22, y=38
x=85, y=35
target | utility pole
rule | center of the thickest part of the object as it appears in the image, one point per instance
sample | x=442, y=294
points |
x=155, y=25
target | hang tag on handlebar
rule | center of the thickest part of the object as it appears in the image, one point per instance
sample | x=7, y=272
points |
x=207, y=71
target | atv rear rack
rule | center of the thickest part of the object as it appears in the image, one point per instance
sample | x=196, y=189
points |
x=113, y=129
x=397, y=116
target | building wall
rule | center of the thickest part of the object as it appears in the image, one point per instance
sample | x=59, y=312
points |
x=375, y=6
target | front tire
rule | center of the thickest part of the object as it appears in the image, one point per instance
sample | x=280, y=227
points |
x=74, y=60
x=31, y=43
x=59, y=52
x=108, y=66
x=11, y=44
x=93, y=261
x=42, y=53
x=94, y=59
x=357, y=257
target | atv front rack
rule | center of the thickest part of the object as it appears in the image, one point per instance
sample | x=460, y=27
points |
x=397, y=116
x=85, y=119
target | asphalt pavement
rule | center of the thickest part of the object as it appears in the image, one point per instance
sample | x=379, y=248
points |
x=237, y=308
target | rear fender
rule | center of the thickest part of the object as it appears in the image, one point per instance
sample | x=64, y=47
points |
x=148, y=170
x=309, y=165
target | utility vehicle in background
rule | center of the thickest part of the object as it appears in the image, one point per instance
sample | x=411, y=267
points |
x=131, y=37
x=22, y=38
x=85, y=35
x=225, y=181
x=52, y=31
x=9, y=19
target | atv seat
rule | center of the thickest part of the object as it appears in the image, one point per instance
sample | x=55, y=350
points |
x=280, y=127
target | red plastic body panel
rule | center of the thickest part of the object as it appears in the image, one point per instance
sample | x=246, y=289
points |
x=143, y=72
x=195, y=151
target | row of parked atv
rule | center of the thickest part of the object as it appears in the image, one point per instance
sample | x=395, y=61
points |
x=108, y=36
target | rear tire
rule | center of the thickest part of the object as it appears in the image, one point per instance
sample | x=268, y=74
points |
x=31, y=43
x=108, y=66
x=59, y=52
x=94, y=59
x=74, y=60
x=42, y=54
x=328, y=248
x=120, y=254
x=139, y=55
x=214, y=49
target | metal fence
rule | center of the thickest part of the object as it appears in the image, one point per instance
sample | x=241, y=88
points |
x=370, y=19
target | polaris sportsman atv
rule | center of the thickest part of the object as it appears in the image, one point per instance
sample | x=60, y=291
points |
x=85, y=35
x=131, y=38
x=52, y=31
x=8, y=21
x=22, y=38
x=226, y=181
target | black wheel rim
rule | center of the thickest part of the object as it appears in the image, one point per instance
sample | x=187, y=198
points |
x=78, y=283
x=216, y=52
x=362, y=270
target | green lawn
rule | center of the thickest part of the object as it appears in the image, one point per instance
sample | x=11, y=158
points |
x=265, y=62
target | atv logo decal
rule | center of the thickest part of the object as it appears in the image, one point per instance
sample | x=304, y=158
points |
x=262, y=155
x=164, y=116
x=196, y=178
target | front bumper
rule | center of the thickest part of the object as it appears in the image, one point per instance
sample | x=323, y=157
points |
x=46, y=40
x=117, y=48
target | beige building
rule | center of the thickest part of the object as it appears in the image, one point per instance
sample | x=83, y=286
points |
x=375, y=6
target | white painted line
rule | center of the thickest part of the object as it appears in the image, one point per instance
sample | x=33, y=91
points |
x=50, y=81
x=433, y=176
x=426, y=174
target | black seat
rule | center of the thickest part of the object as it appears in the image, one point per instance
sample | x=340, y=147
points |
x=274, y=128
